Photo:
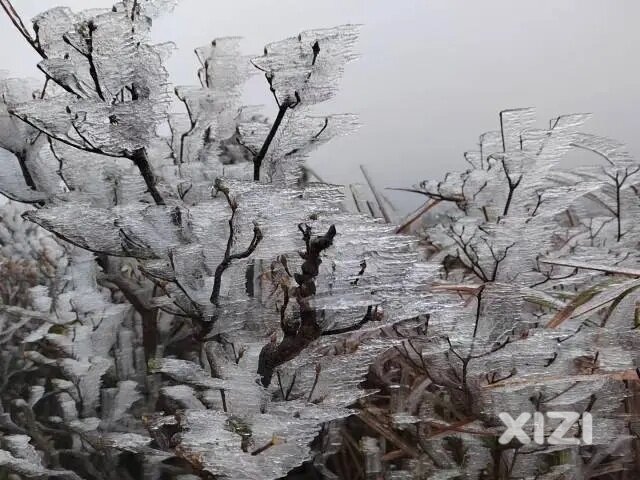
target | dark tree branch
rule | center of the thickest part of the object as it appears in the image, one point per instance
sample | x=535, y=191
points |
x=61, y=139
x=228, y=256
x=376, y=195
x=513, y=184
x=290, y=388
x=92, y=66
x=315, y=382
x=22, y=162
x=44, y=87
x=324, y=127
x=619, y=180
x=368, y=317
x=297, y=339
x=432, y=195
x=141, y=161
x=363, y=268
x=134, y=10
x=60, y=164
x=417, y=215
x=257, y=161
x=226, y=262
x=470, y=253
x=14, y=17
x=246, y=147
x=150, y=333
x=17, y=22
x=177, y=283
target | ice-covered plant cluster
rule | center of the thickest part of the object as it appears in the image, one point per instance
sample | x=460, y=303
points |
x=198, y=309
x=544, y=259
x=202, y=322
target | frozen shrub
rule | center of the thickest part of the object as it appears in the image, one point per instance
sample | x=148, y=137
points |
x=202, y=324
x=544, y=261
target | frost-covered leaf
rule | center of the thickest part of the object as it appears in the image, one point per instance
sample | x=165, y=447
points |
x=307, y=68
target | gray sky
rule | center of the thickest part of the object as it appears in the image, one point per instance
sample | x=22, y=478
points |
x=433, y=74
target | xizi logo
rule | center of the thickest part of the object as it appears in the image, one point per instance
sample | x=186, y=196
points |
x=557, y=437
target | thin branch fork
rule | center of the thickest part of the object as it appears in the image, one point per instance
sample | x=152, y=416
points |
x=619, y=179
x=470, y=252
x=513, y=184
x=228, y=256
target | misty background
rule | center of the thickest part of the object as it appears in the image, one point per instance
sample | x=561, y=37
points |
x=432, y=76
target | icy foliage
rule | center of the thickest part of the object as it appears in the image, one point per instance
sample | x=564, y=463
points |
x=214, y=315
x=541, y=257
x=29, y=261
x=202, y=322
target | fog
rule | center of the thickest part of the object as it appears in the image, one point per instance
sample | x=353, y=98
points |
x=432, y=76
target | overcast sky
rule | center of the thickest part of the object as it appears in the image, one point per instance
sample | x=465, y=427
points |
x=433, y=74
